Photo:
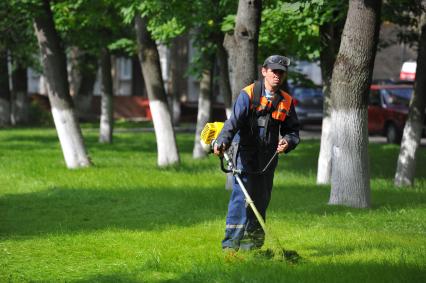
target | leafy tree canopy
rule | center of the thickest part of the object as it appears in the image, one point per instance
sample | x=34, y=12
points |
x=16, y=33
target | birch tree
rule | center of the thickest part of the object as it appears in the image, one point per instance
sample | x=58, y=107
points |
x=150, y=63
x=352, y=73
x=406, y=165
x=55, y=70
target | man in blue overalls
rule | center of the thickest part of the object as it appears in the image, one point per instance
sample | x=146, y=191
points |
x=263, y=121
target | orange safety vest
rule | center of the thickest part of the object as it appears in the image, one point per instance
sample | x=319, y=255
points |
x=282, y=109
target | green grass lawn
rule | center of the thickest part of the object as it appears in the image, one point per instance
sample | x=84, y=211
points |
x=125, y=220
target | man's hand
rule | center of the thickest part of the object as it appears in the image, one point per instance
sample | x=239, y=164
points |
x=282, y=146
x=218, y=149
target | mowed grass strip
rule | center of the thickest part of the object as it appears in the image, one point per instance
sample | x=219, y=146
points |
x=126, y=220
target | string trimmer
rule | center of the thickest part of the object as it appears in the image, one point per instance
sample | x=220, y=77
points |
x=208, y=138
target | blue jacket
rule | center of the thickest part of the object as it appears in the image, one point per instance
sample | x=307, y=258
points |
x=242, y=128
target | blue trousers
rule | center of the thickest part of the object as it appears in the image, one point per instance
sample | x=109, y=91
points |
x=243, y=231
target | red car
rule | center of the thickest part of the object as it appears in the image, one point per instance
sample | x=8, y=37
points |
x=388, y=110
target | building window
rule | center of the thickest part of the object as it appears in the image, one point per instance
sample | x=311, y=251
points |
x=125, y=67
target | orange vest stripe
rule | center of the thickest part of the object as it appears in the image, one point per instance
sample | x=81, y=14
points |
x=282, y=109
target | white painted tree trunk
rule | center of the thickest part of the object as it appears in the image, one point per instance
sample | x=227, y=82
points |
x=204, y=112
x=350, y=179
x=106, y=119
x=150, y=65
x=70, y=138
x=54, y=67
x=167, y=153
x=352, y=73
x=330, y=34
x=324, y=159
x=406, y=166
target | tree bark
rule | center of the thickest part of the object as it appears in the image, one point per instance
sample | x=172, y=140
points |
x=55, y=70
x=150, y=64
x=20, y=103
x=352, y=73
x=242, y=45
x=406, y=165
x=85, y=72
x=177, y=83
x=106, y=119
x=204, y=111
x=224, y=83
x=4, y=91
x=330, y=34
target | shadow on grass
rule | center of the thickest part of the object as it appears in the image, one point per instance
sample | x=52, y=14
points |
x=272, y=271
x=31, y=139
x=383, y=159
x=62, y=210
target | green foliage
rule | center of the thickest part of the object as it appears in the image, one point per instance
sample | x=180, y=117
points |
x=166, y=19
x=126, y=220
x=93, y=24
x=228, y=23
x=406, y=14
x=292, y=27
x=123, y=45
x=16, y=33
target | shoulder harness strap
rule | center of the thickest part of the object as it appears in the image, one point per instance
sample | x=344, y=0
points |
x=257, y=93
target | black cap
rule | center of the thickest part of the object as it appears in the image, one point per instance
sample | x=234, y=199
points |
x=277, y=62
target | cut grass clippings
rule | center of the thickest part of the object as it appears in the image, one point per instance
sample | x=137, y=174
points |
x=126, y=220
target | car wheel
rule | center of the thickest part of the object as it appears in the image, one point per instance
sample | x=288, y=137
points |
x=392, y=134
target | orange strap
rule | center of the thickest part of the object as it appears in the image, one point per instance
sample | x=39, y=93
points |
x=283, y=106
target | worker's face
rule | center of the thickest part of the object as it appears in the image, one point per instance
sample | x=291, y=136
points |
x=273, y=78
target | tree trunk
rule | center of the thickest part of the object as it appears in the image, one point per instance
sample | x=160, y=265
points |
x=20, y=104
x=352, y=73
x=85, y=73
x=55, y=70
x=204, y=111
x=224, y=83
x=106, y=120
x=4, y=91
x=242, y=45
x=330, y=39
x=150, y=64
x=138, y=85
x=406, y=165
x=177, y=83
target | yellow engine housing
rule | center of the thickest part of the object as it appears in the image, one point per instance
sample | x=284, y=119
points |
x=210, y=132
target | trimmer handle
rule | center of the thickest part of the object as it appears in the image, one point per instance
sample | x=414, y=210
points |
x=229, y=163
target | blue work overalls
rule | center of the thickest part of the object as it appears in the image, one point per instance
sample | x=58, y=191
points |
x=243, y=231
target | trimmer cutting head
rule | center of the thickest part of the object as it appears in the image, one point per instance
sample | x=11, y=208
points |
x=290, y=256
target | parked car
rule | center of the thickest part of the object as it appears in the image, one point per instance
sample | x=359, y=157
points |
x=408, y=71
x=308, y=102
x=388, y=110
